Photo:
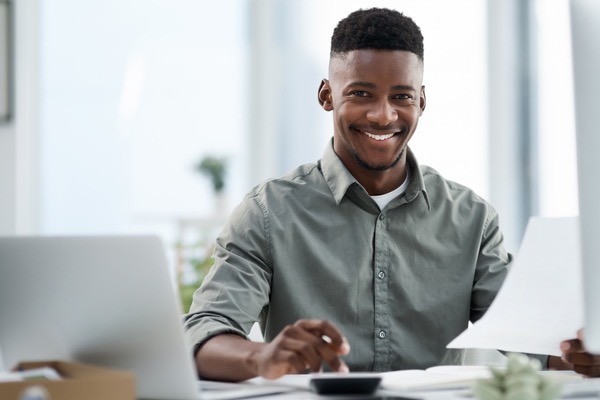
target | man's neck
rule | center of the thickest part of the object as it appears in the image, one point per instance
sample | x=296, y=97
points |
x=380, y=182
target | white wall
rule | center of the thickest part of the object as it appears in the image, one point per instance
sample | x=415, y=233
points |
x=18, y=139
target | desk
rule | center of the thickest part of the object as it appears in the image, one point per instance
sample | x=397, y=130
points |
x=387, y=395
x=300, y=382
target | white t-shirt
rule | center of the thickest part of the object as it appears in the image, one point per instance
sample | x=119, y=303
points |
x=382, y=200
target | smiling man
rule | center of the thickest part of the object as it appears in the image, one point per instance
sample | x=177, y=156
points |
x=376, y=106
x=365, y=260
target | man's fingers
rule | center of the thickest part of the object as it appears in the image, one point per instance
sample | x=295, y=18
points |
x=343, y=348
x=572, y=345
x=591, y=371
x=306, y=345
x=302, y=345
x=327, y=341
x=296, y=362
x=286, y=362
x=582, y=359
x=331, y=355
x=328, y=332
x=583, y=362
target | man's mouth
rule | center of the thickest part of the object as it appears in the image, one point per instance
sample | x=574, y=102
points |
x=379, y=137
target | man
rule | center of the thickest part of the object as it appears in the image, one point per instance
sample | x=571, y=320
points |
x=364, y=248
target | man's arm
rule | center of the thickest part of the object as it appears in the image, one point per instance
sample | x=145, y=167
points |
x=232, y=297
x=299, y=347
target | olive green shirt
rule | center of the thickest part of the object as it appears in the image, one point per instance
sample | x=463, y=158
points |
x=400, y=283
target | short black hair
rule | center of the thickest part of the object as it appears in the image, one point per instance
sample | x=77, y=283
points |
x=377, y=28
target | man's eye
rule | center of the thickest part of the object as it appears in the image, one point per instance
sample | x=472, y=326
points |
x=359, y=93
x=403, y=97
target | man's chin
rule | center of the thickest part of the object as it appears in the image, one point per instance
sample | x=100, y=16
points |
x=374, y=166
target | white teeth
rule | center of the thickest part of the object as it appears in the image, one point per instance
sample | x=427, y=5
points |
x=379, y=137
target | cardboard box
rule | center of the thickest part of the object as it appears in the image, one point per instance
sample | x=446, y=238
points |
x=79, y=381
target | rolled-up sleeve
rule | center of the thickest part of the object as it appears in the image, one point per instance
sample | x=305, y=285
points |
x=236, y=290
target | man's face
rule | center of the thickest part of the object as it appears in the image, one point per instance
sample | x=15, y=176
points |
x=377, y=98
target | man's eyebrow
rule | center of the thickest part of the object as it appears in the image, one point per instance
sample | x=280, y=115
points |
x=403, y=87
x=373, y=86
x=364, y=84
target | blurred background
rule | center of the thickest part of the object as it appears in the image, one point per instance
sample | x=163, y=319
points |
x=157, y=116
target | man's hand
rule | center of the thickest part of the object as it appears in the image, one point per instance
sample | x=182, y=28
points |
x=575, y=357
x=300, y=347
x=303, y=346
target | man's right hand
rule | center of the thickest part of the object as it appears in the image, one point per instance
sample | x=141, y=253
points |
x=303, y=346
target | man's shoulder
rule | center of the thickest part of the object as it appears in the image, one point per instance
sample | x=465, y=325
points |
x=436, y=184
x=303, y=176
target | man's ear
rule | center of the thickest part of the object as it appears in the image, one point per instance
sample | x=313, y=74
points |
x=423, y=100
x=324, y=95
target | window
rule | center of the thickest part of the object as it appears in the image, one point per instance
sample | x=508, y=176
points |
x=134, y=93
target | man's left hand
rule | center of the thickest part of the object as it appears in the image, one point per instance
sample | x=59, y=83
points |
x=575, y=357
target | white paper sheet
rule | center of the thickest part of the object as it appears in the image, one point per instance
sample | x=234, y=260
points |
x=541, y=301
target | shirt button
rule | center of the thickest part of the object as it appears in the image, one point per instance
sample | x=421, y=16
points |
x=381, y=217
x=381, y=275
x=382, y=334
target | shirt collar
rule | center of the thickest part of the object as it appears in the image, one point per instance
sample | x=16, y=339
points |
x=339, y=179
x=417, y=183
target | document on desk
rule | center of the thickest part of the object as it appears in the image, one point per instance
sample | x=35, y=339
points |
x=541, y=301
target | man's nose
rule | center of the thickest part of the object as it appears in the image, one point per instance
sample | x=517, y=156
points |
x=382, y=113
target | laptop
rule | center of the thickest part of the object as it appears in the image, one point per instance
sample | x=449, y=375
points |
x=103, y=300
